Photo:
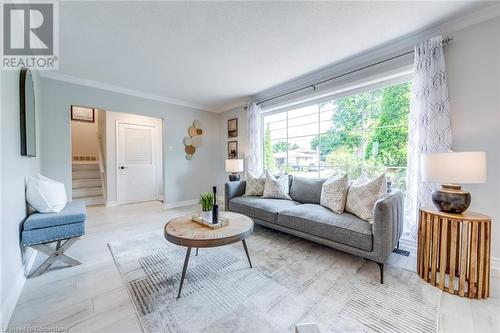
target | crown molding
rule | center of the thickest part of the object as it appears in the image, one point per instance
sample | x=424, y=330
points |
x=121, y=90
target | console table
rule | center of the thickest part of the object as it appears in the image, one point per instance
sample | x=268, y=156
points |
x=453, y=252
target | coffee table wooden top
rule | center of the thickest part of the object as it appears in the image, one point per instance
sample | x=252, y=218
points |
x=182, y=231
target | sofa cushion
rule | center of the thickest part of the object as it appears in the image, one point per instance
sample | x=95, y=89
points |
x=321, y=222
x=362, y=198
x=277, y=188
x=260, y=208
x=306, y=190
x=254, y=185
x=73, y=212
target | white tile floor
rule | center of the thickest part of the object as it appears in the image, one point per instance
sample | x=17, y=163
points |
x=92, y=297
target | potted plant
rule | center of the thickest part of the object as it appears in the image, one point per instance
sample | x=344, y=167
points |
x=207, y=203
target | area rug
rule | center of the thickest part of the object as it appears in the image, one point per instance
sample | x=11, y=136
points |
x=293, y=281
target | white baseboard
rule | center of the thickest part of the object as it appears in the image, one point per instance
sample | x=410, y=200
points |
x=180, y=203
x=15, y=291
x=110, y=204
x=408, y=244
x=495, y=266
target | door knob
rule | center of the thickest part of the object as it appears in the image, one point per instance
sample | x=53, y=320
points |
x=123, y=167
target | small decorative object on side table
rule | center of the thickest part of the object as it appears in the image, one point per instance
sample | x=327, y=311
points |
x=450, y=169
x=234, y=166
x=456, y=245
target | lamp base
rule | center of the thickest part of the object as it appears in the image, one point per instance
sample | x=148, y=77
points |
x=451, y=199
x=234, y=177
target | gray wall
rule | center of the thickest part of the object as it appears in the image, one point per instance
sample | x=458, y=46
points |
x=473, y=65
x=14, y=170
x=184, y=179
x=239, y=113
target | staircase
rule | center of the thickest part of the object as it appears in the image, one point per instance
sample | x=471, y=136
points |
x=87, y=183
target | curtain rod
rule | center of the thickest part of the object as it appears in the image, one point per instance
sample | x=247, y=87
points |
x=313, y=85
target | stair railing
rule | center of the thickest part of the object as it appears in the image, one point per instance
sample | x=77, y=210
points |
x=102, y=167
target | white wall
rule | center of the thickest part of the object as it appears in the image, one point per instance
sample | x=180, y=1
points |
x=473, y=65
x=84, y=137
x=14, y=170
x=184, y=180
x=111, y=120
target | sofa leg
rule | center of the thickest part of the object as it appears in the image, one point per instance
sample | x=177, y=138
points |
x=381, y=266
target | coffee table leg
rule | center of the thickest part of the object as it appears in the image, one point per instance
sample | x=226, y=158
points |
x=186, y=261
x=246, y=251
x=196, y=251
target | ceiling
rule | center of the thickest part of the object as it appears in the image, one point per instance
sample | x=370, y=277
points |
x=217, y=54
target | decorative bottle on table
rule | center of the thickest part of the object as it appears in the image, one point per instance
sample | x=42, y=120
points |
x=215, y=208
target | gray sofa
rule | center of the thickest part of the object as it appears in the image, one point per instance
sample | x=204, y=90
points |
x=304, y=217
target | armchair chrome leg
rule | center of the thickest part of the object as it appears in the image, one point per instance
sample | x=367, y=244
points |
x=54, y=254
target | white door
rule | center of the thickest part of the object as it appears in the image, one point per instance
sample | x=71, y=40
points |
x=136, y=162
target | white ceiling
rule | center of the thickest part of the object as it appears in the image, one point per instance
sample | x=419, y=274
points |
x=217, y=54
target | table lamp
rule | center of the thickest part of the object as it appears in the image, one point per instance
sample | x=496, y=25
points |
x=234, y=166
x=450, y=169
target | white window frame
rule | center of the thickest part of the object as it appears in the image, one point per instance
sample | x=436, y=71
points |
x=405, y=76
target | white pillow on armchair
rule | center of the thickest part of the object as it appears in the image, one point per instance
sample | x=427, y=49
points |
x=45, y=195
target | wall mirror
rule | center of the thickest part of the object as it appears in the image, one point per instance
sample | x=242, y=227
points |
x=28, y=125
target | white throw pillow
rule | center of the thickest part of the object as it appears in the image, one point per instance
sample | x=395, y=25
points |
x=45, y=195
x=361, y=198
x=334, y=193
x=276, y=188
x=254, y=185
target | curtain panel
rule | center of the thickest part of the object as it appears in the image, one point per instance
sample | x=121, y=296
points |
x=429, y=128
x=253, y=151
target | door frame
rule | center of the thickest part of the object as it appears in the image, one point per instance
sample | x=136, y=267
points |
x=158, y=156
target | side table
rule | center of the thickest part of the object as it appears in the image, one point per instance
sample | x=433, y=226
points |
x=454, y=251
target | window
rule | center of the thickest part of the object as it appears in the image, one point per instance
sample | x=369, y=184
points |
x=363, y=133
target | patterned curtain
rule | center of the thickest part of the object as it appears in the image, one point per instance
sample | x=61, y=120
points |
x=253, y=151
x=429, y=128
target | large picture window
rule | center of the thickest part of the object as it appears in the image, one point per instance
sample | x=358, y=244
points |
x=362, y=133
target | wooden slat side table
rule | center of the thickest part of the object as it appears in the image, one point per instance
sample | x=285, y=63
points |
x=454, y=251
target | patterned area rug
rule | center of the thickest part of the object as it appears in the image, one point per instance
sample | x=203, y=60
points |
x=293, y=281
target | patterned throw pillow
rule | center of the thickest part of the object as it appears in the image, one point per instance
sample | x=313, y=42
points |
x=276, y=188
x=255, y=185
x=334, y=193
x=362, y=198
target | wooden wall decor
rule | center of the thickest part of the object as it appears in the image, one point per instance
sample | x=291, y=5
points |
x=453, y=252
x=194, y=139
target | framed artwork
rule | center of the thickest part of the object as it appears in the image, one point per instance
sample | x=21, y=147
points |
x=80, y=113
x=232, y=149
x=232, y=128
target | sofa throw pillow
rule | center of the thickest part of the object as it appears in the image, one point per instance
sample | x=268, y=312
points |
x=334, y=193
x=276, y=188
x=45, y=195
x=254, y=185
x=361, y=198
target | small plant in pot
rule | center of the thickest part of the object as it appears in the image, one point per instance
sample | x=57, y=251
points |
x=207, y=203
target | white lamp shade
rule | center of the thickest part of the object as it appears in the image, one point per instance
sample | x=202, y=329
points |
x=234, y=165
x=455, y=167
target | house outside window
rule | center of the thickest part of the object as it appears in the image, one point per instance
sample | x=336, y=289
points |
x=364, y=133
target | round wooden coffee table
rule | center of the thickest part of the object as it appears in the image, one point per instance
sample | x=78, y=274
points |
x=184, y=232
